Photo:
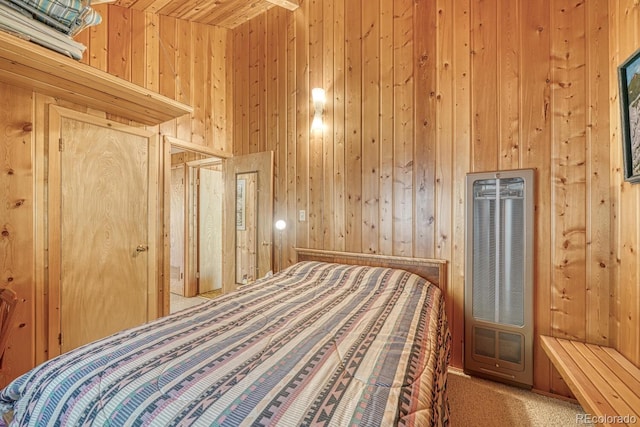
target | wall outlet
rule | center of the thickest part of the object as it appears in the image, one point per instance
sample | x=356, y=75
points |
x=302, y=215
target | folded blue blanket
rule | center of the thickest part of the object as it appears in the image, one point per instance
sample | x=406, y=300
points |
x=67, y=16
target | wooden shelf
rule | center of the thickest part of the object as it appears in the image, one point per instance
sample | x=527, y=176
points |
x=30, y=66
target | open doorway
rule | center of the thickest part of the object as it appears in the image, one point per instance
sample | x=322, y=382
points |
x=195, y=192
x=218, y=222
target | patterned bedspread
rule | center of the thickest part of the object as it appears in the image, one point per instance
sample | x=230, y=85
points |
x=317, y=344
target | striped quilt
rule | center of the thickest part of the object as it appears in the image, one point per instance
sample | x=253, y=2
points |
x=317, y=344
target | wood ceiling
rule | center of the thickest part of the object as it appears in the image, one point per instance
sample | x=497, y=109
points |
x=223, y=13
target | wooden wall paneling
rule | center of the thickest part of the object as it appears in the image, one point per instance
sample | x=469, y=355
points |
x=370, y=124
x=138, y=46
x=184, y=76
x=152, y=52
x=152, y=59
x=536, y=151
x=484, y=83
x=241, y=90
x=627, y=213
x=403, y=100
x=615, y=153
x=168, y=38
x=426, y=141
x=495, y=105
x=275, y=103
x=119, y=57
x=316, y=161
x=338, y=121
x=438, y=177
x=257, y=110
x=230, y=84
x=201, y=83
x=17, y=235
x=98, y=55
x=40, y=229
x=568, y=170
x=328, y=137
x=84, y=37
x=290, y=42
x=568, y=175
x=508, y=95
x=219, y=100
x=443, y=179
x=303, y=122
x=598, y=202
x=461, y=124
x=272, y=91
x=353, y=126
x=385, y=204
x=282, y=144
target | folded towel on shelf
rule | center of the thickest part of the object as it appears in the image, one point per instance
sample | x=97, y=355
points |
x=67, y=16
x=15, y=21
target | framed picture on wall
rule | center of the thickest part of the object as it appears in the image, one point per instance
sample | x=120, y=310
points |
x=241, y=188
x=629, y=82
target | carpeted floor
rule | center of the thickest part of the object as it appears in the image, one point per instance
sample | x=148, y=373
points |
x=478, y=402
x=211, y=294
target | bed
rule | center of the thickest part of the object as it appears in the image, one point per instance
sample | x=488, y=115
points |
x=320, y=343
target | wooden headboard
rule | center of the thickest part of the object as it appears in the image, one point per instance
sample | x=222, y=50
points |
x=434, y=270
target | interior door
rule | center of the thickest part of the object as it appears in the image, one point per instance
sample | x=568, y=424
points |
x=210, y=204
x=102, y=228
x=248, y=240
x=177, y=229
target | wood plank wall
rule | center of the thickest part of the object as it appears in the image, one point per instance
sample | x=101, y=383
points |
x=182, y=60
x=17, y=225
x=418, y=94
x=624, y=22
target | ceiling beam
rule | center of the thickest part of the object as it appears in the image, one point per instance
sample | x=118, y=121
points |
x=287, y=4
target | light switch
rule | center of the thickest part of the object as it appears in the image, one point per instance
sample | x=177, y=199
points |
x=302, y=215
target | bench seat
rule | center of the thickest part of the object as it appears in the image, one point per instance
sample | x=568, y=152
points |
x=606, y=384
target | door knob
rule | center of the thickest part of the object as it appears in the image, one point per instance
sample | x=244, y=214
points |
x=140, y=248
x=266, y=243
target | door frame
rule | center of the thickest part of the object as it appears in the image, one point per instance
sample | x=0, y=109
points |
x=168, y=143
x=256, y=162
x=55, y=115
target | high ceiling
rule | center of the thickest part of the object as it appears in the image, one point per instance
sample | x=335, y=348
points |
x=223, y=13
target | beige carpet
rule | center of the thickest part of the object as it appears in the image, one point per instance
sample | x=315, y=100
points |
x=478, y=402
x=211, y=294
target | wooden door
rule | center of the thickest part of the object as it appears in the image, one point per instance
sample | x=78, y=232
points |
x=102, y=225
x=210, y=204
x=177, y=229
x=255, y=171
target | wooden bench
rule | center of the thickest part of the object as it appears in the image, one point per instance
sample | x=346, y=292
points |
x=606, y=384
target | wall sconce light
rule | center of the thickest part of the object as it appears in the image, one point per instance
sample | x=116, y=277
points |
x=319, y=98
x=280, y=225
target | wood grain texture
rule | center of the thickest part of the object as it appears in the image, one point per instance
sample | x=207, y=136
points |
x=449, y=97
x=538, y=122
x=82, y=255
x=605, y=384
x=625, y=301
x=184, y=61
x=16, y=229
x=221, y=13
